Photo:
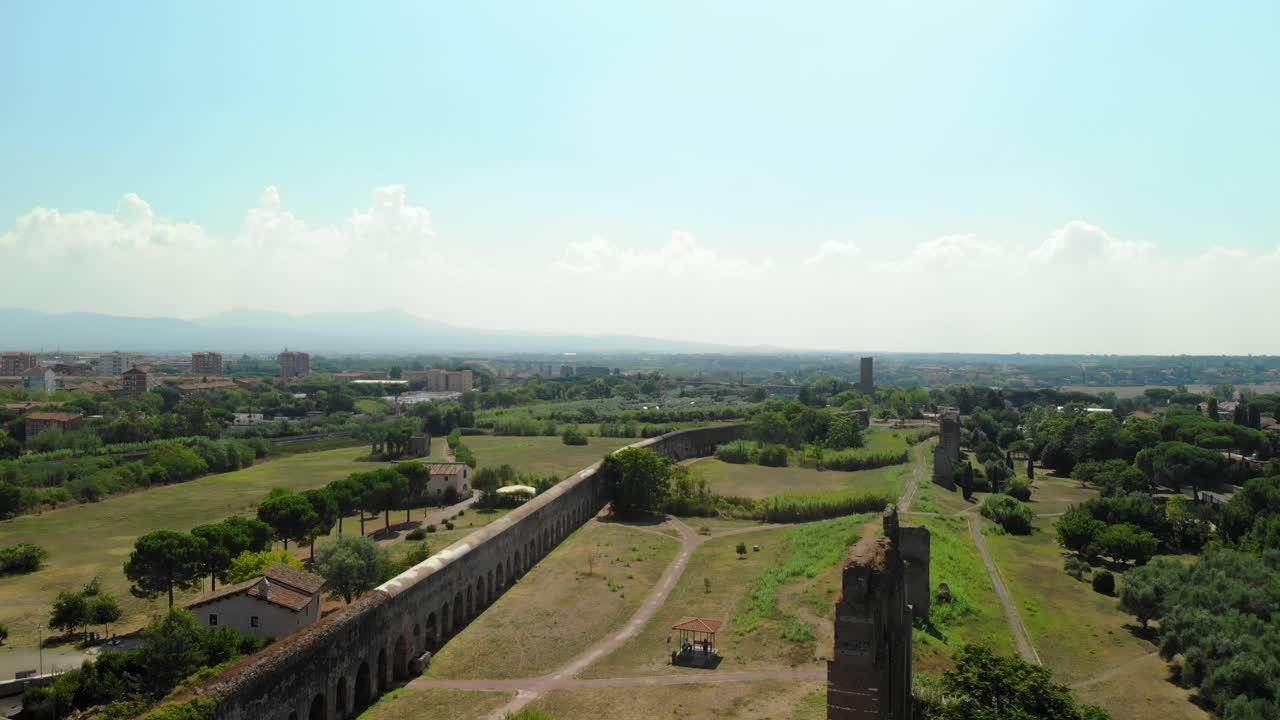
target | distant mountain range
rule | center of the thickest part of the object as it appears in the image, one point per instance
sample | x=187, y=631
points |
x=260, y=331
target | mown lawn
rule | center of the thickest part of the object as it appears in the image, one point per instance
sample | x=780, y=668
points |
x=588, y=586
x=541, y=455
x=95, y=539
x=758, y=481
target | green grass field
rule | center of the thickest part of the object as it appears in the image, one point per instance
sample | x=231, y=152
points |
x=973, y=615
x=542, y=455
x=95, y=539
x=758, y=481
x=589, y=584
x=1080, y=633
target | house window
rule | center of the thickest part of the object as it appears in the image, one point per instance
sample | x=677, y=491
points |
x=253, y=621
x=213, y=619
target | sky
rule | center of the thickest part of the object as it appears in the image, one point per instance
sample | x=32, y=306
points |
x=1085, y=177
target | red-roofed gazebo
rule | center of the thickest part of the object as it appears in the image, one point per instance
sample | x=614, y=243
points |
x=697, y=641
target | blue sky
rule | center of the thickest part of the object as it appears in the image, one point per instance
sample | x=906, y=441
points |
x=763, y=131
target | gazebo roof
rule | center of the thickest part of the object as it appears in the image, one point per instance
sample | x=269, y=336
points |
x=696, y=624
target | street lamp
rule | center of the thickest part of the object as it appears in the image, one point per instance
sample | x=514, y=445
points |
x=40, y=645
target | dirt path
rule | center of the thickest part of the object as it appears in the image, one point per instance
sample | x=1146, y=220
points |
x=1109, y=674
x=918, y=467
x=530, y=689
x=1020, y=637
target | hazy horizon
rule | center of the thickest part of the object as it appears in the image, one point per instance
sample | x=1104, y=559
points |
x=971, y=178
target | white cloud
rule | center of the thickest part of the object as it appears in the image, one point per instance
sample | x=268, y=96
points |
x=681, y=255
x=1080, y=290
x=1078, y=241
x=834, y=251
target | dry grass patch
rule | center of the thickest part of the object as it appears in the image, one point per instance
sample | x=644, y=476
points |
x=1051, y=494
x=1131, y=693
x=434, y=704
x=589, y=585
x=719, y=700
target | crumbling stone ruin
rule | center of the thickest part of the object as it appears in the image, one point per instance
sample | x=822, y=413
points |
x=884, y=585
x=947, y=452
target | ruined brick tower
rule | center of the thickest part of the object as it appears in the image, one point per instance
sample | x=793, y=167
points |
x=947, y=452
x=867, y=378
x=885, y=581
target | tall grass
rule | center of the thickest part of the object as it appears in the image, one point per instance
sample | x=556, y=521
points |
x=805, y=507
x=809, y=550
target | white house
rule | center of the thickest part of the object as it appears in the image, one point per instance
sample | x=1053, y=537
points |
x=40, y=379
x=443, y=475
x=282, y=601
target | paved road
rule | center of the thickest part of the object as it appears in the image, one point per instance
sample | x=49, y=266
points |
x=1020, y=637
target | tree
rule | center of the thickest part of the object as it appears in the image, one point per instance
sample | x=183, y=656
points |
x=222, y=544
x=289, y=514
x=325, y=507
x=1077, y=530
x=69, y=612
x=351, y=566
x=385, y=491
x=1125, y=542
x=987, y=686
x=844, y=432
x=103, y=609
x=1177, y=465
x=741, y=549
x=251, y=564
x=417, y=476
x=1240, y=416
x=4, y=633
x=345, y=493
x=636, y=480
x=163, y=560
x=1146, y=589
x=771, y=427
x=395, y=372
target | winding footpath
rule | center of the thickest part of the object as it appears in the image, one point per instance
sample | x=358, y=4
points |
x=1011, y=616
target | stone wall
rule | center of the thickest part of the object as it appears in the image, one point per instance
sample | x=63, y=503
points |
x=947, y=452
x=340, y=664
x=869, y=675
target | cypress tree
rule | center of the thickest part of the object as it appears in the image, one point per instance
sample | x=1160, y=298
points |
x=1241, y=415
x=1255, y=417
x=1212, y=409
x=1031, y=469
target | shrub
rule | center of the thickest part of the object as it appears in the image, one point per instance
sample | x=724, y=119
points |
x=1009, y=514
x=573, y=436
x=773, y=456
x=1076, y=567
x=21, y=558
x=1020, y=489
x=1104, y=582
x=737, y=452
x=448, y=525
x=416, y=534
x=195, y=709
x=431, y=528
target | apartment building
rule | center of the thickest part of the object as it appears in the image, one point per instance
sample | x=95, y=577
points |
x=294, y=364
x=206, y=363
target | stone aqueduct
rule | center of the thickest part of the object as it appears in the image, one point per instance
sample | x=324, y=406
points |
x=344, y=661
